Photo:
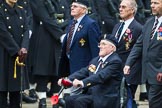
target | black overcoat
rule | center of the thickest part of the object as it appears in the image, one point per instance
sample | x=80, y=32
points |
x=13, y=36
x=45, y=43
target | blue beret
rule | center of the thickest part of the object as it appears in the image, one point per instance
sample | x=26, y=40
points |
x=111, y=39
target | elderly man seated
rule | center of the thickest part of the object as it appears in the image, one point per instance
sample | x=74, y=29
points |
x=101, y=78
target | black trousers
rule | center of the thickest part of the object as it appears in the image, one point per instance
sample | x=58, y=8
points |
x=42, y=82
x=14, y=99
x=54, y=86
x=133, y=89
x=155, y=96
x=79, y=101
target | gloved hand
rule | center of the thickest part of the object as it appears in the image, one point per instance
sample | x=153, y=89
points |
x=22, y=54
x=64, y=82
x=159, y=77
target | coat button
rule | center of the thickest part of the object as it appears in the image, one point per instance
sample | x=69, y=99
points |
x=22, y=26
x=20, y=17
x=7, y=18
x=22, y=35
x=5, y=10
x=9, y=27
x=103, y=22
x=41, y=22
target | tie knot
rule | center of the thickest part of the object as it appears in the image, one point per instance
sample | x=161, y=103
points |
x=156, y=22
x=75, y=21
x=100, y=61
x=122, y=24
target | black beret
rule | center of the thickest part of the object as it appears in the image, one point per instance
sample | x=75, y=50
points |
x=83, y=2
x=110, y=38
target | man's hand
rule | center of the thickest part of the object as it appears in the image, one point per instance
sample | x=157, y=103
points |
x=159, y=77
x=22, y=54
x=59, y=82
x=78, y=83
x=126, y=70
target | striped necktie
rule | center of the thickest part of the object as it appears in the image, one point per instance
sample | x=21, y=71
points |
x=153, y=29
x=119, y=31
x=70, y=36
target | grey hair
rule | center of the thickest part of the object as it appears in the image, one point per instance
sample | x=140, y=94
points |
x=83, y=6
x=133, y=5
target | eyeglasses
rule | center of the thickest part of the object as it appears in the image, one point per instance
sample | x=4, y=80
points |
x=124, y=7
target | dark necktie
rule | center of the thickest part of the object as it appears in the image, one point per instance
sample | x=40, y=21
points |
x=100, y=65
x=153, y=29
x=70, y=36
x=120, y=30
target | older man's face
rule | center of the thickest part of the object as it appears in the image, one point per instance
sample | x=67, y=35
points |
x=105, y=48
x=156, y=7
x=125, y=10
x=77, y=10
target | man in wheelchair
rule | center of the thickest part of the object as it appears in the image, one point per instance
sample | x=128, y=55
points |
x=101, y=78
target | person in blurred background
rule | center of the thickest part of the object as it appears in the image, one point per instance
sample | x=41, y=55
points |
x=44, y=46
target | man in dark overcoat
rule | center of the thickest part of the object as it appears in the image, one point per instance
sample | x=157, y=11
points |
x=26, y=6
x=107, y=14
x=14, y=40
x=44, y=47
x=149, y=46
x=62, y=14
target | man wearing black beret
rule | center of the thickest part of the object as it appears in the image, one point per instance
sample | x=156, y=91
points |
x=101, y=78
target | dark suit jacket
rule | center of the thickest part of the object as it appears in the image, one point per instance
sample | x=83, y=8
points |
x=151, y=52
x=104, y=85
x=123, y=51
x=80, y=54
